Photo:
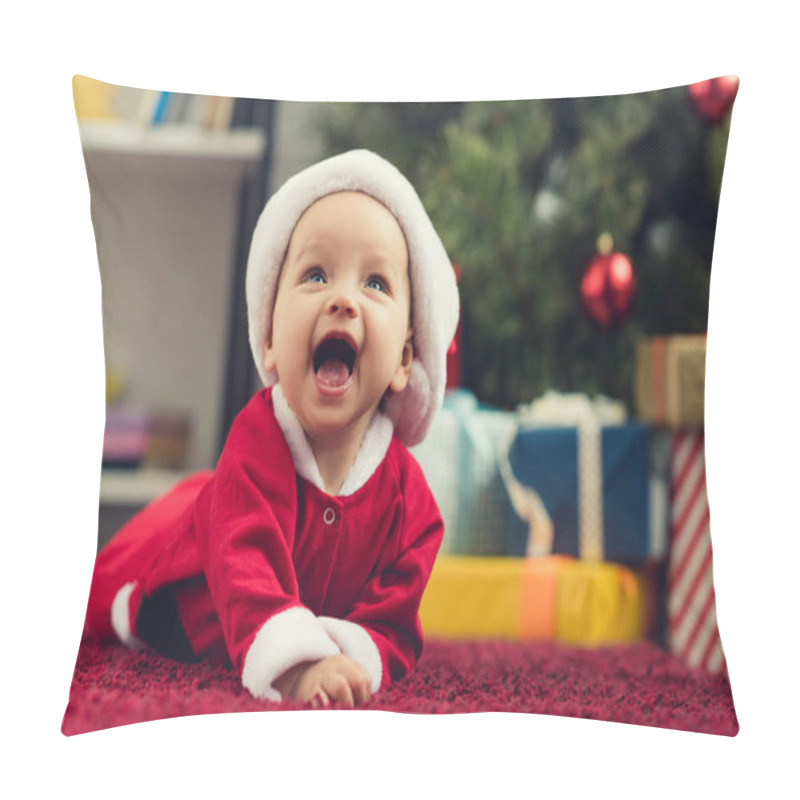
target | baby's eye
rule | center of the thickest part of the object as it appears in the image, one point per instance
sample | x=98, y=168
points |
x=379, y=284
x=315, y=276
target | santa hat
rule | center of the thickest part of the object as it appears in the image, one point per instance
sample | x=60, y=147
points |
x=434, y=295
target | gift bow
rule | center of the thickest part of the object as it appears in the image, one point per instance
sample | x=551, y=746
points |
x=554, y=409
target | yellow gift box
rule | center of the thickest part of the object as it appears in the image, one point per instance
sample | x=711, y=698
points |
x=555, y=598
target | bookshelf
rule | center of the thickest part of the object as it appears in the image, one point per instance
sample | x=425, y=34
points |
x=121, y=488
x=173, y=207
x=185, y=142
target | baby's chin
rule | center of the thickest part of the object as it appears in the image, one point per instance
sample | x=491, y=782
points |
x=330, y=418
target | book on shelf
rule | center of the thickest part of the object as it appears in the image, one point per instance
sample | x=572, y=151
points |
x=146, y=108
x=219, y=111
x=138, y=436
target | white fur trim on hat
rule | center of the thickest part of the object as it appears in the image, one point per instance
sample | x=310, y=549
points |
x=434, y=294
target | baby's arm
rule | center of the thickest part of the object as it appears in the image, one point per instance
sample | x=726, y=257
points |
x=245, y=535
x=336, y=679
x=381, y=630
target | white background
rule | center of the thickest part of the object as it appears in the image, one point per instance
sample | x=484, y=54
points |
x=52, y=397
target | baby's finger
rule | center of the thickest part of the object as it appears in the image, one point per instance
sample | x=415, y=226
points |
x=361, y=686
x=359, y=680
x=320, y=699
x=338, y=689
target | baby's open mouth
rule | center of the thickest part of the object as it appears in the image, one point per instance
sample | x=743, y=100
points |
x=333, y=361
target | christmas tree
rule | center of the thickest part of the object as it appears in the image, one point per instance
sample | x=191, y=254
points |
x=520, y=192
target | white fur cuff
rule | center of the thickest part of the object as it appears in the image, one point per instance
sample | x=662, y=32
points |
x=356, y=643
x=121, y=617
x=285, y=640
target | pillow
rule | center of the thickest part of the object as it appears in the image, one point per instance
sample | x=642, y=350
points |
x=568, y=459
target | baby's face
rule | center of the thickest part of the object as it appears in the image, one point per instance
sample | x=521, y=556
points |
x=341, y=331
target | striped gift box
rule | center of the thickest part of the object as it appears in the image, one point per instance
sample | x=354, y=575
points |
x=691, y=609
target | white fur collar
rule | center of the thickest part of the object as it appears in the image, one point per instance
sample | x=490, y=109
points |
x=373, y=448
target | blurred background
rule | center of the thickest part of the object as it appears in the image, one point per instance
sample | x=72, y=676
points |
x=520, y=193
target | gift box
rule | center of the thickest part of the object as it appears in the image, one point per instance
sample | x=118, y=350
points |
x=460, y=463
x=692, y=632
x=602, y=490
x=670, y=380
x=556, y=598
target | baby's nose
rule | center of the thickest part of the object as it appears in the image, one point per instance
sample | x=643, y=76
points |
x=343, y=303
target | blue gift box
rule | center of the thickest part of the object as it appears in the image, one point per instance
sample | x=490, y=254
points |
x=626, y=511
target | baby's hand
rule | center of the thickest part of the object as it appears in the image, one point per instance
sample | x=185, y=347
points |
x=336, y=679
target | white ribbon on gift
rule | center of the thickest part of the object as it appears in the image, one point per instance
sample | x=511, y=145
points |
x=588, y=416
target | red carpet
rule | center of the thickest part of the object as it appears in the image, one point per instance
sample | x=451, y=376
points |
x=639, y=684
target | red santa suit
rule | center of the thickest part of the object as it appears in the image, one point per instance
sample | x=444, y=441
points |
x=254, y=562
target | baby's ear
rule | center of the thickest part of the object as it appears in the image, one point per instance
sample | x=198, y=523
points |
x=401, y=374
x=269, y=355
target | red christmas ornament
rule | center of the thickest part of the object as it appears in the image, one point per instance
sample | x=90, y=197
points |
x=713, y=98
x=608, y=285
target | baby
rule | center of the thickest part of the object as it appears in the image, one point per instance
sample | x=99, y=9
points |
x=302, y=558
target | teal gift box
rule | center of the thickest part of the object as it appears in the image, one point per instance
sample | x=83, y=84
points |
x=604, y=489
x=459, y=458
